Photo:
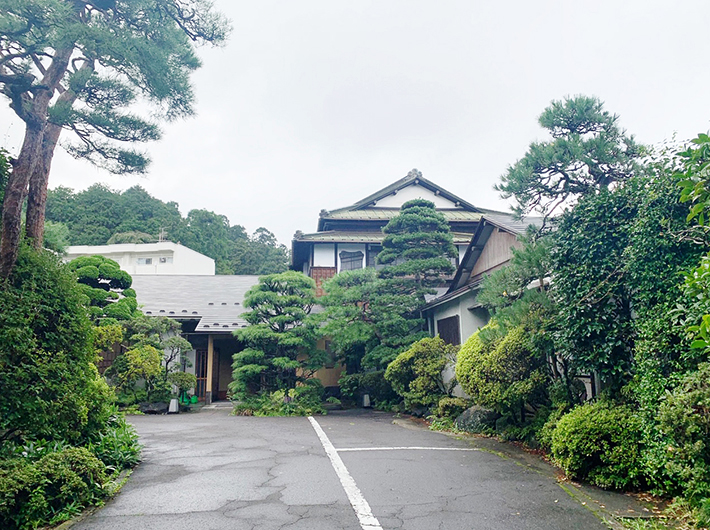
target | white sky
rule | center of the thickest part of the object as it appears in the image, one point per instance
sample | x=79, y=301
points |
x=317, y=104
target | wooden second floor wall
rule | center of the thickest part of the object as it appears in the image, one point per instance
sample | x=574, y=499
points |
x=496, y=252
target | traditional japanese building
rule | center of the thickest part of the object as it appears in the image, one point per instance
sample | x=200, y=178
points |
x=351, y=237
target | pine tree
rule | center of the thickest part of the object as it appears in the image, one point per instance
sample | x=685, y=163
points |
x=417, y=252
x=280, y=342
x=79, y=66
x=588, y=152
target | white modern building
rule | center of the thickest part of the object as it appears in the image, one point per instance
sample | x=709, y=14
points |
x=163, y=258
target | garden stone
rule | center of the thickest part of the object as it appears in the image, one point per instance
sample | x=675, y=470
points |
x=476, y=419
x=154, y=408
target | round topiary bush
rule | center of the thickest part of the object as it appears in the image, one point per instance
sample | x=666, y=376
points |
x=504, y=374
x=600, y=442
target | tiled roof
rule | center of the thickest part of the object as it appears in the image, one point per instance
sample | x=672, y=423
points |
x=508, y=222
x=346, y=236
x=216, y=301
x=376, y=214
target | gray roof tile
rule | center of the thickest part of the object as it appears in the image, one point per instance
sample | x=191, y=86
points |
x=217, y=301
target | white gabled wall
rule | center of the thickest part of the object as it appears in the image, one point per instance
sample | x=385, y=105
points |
x=414, y=191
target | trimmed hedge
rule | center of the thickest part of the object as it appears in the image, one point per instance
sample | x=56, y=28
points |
x=600, y=442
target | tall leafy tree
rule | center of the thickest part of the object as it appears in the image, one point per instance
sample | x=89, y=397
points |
x=259, y=253
x=588, y=152
x=79, y=66
x=280, y=342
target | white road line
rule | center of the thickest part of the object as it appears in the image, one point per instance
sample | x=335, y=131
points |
x=357, y=500
x=350, y=449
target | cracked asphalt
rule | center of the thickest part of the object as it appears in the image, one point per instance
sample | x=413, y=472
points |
x=210, y=470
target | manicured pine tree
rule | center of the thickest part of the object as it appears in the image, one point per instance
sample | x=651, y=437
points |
x=417, y=252
x=280, y=342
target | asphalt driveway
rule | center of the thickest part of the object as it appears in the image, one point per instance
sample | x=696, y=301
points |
x=347, y=470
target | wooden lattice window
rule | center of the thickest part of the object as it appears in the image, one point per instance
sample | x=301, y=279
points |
x=350, y=261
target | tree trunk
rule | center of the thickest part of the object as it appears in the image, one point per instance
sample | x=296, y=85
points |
x=37, y=197
x=35, y=118
x=14, y=197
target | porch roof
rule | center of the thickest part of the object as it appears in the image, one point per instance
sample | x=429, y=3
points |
x=216, y=302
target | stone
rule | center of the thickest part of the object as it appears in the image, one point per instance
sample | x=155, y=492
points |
x=154, y=408
x=477, y=419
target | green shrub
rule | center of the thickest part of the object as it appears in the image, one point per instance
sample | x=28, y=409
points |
x=354, y=386
x=685, y=421
x=416, y=374
x=504, y=374
x=51, y=388
x=117, y=447
x=304, y=400
x=50, y=490
x=600, y=442
x=451, y=407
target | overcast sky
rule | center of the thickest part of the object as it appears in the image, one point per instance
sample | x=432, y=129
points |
x=316, y=104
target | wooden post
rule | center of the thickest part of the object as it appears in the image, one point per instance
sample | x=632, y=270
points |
x=210, y=369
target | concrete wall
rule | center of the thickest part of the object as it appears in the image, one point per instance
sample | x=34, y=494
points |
x=469, y=320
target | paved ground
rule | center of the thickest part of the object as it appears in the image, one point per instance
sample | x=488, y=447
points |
x=209, y=470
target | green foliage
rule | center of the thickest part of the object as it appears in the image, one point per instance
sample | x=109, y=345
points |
x=183, y=380
x=685, y=421
x=117, y=446
x=451, y=407
x=305, y=400
x=5, y=167
x=280, y=343
x=386, y=320
x=416, y=374
x=588, y=152
x=151, y=54
x=372, y=383
x=50, y=385
x=56, y=237
x=50, y=490
x=505, y=373
x=348, y=317
x=103, y=282
x=693, y=179
x=134, y=237
x=600, y=442
x=595, y=326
